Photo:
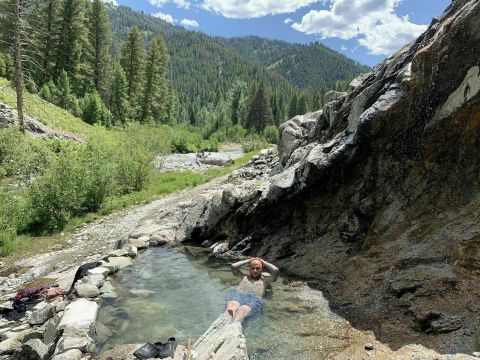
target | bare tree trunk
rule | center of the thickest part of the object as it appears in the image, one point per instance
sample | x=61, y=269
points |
x=18, y=67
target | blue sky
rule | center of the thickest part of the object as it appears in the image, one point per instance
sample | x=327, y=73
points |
x=364, y=30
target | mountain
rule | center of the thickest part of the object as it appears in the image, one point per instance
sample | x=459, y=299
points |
x=309, y=67
x=200, y=67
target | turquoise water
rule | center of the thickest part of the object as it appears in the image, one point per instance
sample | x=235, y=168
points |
x=171, y=293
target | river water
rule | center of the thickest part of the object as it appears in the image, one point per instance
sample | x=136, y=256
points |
x=171, y=293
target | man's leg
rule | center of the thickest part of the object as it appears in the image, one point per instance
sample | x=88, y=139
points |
x=242, y=313
x=232, y=306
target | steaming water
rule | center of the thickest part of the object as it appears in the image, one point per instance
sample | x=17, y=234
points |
x=170, y=293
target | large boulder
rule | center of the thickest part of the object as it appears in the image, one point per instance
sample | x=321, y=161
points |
x=80, y=314
x=33, y=349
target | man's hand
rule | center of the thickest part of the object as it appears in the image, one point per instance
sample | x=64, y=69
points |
x=272, y=269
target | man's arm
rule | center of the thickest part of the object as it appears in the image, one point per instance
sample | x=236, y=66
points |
x=236, y=267
x=272, y=269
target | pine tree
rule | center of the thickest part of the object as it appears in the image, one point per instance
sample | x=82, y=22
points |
x=100, y=40
x=260, y=113
x=302, y=105
x=119, y=97
x=132, y=61
x=45, y=30
x=95, y=111
x=154, y=106
x=64, y=94
x=73, y=36
x=292, y=108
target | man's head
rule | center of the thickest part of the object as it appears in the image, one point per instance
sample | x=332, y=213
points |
x=256, y=268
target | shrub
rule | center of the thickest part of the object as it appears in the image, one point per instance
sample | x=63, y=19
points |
x=271, y=134
x=94, y=111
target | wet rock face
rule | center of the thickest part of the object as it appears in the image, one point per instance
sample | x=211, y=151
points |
x=376, y=198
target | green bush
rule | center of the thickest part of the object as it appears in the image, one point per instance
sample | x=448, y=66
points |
x=271, y=134
x=94, y=111
x=59, y=192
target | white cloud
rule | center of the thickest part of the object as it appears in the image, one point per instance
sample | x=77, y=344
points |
x=287, y=21
x=372, y=22
x=246, y=9
x=189, y=23
x=166, y=17
x=184, y=4
x=113, y=2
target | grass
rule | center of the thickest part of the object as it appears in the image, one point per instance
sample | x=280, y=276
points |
x=161, y=184
x=46, y=112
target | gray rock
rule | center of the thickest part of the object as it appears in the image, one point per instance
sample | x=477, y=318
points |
x=31, y=350
x=80, y=314
x=86, y=290
x=333, y=96
x=369, y=346
x=52, y=332
x=73, y=354
x=41, y=313
x=224, y=340
x=118, y=253
x=97, y=280
x=107, y=291
x=132, y=251
x=99, y=271
x=118, y=262
x=75, y=338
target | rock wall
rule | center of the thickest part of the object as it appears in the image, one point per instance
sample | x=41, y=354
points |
x=376, y=200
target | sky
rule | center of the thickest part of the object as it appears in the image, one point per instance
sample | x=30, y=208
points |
x=364, y=30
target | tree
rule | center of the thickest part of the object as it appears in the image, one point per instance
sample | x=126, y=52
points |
x=73, y=36
x=95, y=111
x=302, y=105
x=45, y=30
x=154, y=106
x=100, y=40
x=292, y=108
x=119, y=98
x=64, y=94
x=260, y=113
x=132, y=61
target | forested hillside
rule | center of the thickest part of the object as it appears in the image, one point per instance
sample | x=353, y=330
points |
x=310, y=67
x=112, y=66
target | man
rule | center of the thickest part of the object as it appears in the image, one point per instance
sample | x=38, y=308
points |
x=247, y=298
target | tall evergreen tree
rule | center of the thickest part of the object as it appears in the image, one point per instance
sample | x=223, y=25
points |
x=72, y=37
x=45, y=30
x=154, y=106
x=302, y=105
x=260, y=113
x=100, y=40
x=119, y=97
x=292, y=107
x=132, y=61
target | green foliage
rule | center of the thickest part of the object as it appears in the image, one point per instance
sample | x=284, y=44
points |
x=7, y=69
x=292, y=108
x=119, y=97
x=271, y=134
x=8, y=231
x=94, y=111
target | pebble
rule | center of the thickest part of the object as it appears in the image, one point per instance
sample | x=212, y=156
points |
x=369, y=346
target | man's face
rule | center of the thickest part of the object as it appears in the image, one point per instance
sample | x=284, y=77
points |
x=256, y=268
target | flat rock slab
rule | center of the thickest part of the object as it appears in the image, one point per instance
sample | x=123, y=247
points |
x=87, y=290
x=224, y=340
x=141, y=243
x=69, y=355
x=81, y=313
x=118, y=262
x=99, y=271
